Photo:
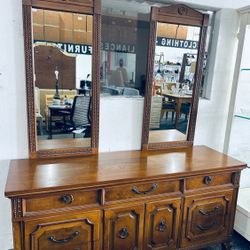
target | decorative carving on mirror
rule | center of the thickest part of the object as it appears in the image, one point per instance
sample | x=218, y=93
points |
x=175, y=64
x=69, y=102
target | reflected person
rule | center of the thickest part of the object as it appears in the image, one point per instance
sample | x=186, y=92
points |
x=122, y=75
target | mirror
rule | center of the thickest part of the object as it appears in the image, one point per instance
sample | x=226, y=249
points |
x=62, y=66
x=125, y=32
x=62, y=44
x=178, y=35
x=175, y=62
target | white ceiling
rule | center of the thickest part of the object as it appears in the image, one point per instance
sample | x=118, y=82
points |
x=232, y=4
x=202, y=4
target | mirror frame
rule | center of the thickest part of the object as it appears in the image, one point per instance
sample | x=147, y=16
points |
x=182, y=15
x=88, y=7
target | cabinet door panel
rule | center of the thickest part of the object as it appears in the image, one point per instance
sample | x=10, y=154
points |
x=162, y=223
x=206, y=217
x=76, y=232
x=124, y=228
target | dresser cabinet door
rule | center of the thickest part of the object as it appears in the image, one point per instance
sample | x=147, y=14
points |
x=77, y=232
x=124, y=228
x=161, y=224
x=206, y=218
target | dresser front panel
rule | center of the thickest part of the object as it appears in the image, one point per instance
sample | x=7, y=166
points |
x=206, y=217
x=141, y=190
x=61, y=200
x=162, y=223
x=123, y=228
x=209, y=180
x=74, y=232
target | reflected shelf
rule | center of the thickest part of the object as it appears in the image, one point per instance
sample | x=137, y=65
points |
x=243, y=117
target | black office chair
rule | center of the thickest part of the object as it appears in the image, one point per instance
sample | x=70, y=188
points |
x=80, y=116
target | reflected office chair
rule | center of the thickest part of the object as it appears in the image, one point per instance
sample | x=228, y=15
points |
x=80, y=116
x=185, y=109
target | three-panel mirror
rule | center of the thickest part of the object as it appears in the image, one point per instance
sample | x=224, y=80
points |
x=67, y=70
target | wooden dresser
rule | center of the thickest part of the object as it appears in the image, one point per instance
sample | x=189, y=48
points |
x=171, y=199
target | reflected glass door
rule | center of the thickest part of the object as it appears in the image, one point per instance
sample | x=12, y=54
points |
x=62, y=43
x=176, y=54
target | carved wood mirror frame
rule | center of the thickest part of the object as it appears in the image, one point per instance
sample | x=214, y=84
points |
x=181, y=15
x=91, y=7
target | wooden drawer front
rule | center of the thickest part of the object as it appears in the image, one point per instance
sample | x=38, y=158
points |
x=141, y=190
x=123, y=228
x=75, y=232
x=208, y=181
x=61, y=200
x=161, y=224
x=206, y=217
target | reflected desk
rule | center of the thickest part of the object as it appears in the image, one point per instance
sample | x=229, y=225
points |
x=179, y=99
x=171, y=135
x=57, y=111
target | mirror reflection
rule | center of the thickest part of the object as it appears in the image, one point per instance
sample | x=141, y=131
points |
x=125, y=32
x=176, y=54
x=62, y=43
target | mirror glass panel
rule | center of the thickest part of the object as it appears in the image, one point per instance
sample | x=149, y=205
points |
x=176, y=54
x=125, y=32
x=62, y=43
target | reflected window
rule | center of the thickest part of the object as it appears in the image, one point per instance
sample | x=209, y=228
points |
x=62, y=43
x=125, y=32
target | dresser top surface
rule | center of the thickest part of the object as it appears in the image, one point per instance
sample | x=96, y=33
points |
x=30, y=176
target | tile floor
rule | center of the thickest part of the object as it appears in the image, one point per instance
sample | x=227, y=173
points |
x=239, y=243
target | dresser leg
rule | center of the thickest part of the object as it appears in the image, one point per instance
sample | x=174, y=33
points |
x=226, y=245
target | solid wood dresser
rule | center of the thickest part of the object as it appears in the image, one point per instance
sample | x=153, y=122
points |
x=169, y=199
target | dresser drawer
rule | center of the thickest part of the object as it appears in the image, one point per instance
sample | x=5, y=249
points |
x=81, y=231
x=141, y=190
x=206, y=218
x=208, y=181
x=61, y=200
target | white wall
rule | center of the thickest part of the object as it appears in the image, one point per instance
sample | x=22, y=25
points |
x=125, y=114
x=13, y=125
x=212, y=113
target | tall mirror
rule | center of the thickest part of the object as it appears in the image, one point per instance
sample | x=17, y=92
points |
x=175, y=62
x=62, y=80
x=62, y=43
x=175, y=69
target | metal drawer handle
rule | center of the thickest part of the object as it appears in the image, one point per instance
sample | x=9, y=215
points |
x=162, y=226
x=207, y=227
x=67, y=198
x=209, y=213
x=208, y=180
x=71, y=237
x=123, y=233
x=136, y=191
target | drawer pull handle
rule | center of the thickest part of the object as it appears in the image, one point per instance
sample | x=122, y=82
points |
x=208, y=180
x=63, y=241
x=67, y=198
x=162, y=226
x=123, y=233
x=207, y=227
x=136, y=191
x=209, y=213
